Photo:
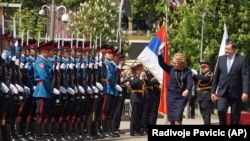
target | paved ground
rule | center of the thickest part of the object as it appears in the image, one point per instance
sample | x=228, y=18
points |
x=125, y=128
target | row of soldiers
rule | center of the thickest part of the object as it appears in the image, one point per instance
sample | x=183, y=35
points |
x=64, y=90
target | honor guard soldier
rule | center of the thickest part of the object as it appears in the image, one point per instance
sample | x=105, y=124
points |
x=60, y=101
x=123, y=81
x=9, y=90
x=204, y=85
x=99, y=101
x=25, y=119
x=118, y=92
x=43, y=74
x=137, y=84
x=111, y=92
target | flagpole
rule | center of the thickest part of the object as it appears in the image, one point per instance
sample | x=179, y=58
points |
x=166, y=24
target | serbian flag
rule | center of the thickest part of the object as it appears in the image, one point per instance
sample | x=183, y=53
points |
x=149, y=58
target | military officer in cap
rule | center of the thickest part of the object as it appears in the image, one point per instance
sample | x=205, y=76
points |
x=204, y=85
x=25, y=116
x=123, y=82
x=110, y=97
x=43, y=74
x=137, y=84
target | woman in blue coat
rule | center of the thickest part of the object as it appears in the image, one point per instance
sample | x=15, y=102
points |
x=179, y=85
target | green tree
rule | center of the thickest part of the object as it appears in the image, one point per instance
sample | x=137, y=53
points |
x=28, y=22
x=185, y=28
x=95, y=17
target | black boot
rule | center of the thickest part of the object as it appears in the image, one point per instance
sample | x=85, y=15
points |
x=79, y=129
x=6, y=136
x=46, y=131
x=62, y=131
x=13, y=131
x=30, y=130
x=38, y=132
x=68, y=130
x=20, y=129
x=54, y=131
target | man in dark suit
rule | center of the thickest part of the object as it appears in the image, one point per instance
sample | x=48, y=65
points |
x=230, y=84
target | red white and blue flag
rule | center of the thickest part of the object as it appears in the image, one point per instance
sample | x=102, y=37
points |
x=149, y=58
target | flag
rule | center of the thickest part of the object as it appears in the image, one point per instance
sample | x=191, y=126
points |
x=149, y=55
x=223, y=41
x=163, y=101
x=149, y=58
x=222, y=45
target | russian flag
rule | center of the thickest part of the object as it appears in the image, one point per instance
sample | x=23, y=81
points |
x=148, y=57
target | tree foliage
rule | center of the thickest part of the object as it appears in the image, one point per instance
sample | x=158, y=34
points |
x=95, y=17
x=28, y=22
x=185, y=26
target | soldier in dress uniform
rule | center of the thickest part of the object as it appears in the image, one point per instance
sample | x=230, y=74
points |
x=204, y=85
x=99, y=102
x=147, y=101
x=137, y=84
x=123, y=81
x=155, y=101
x=23, y=123
x=15, y=82
x=60, y=101
x=43, y=74
x=111, y=93
x=9, y=90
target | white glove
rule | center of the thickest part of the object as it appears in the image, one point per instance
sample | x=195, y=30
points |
x=4, y=88
x=34, y=87
x=77, y=65
x=71, y=66
x=81, y=89
x=95, y=89
x=96, y=66
x=118, y=88
x=55, y=91
x=26, y=66
x=21, y=65
x=20, y=97
x=58, y=66
x=99, y=86
x=13, y=89
x=57, y=100
x=100, y=63
x=27, y=89
x=62, y=90
x=91, y=65
x=16, y=43
x=3, y=55
x=120, y=66
x=17, y=62
x=71, y=91
x=13, y=58
x=76, y=90
x=89, y=90
x=20, y=88
x=82, y=66
x=62, y=66
x=194, y=72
